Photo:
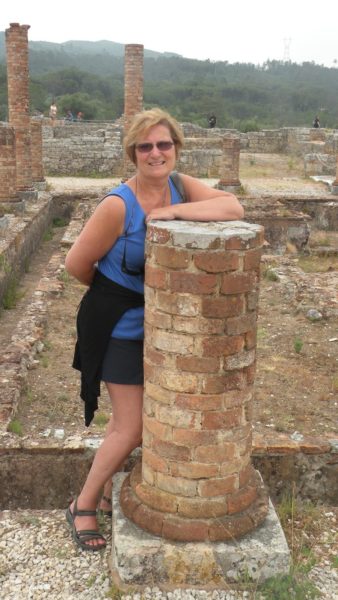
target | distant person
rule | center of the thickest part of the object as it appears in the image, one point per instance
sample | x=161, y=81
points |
x=212, y=121
x=69, y=116
x=79, y=116
x=316, y=123
x=53, y=111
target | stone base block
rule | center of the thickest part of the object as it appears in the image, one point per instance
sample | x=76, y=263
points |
x=28, y=195
x=143, y=559
x=40, y=186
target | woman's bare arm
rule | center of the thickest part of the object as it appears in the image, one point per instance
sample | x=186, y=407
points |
x=96, y=238
x=204, y=203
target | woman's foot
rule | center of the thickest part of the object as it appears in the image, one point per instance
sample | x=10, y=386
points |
x=84, y=528
x=105, y=506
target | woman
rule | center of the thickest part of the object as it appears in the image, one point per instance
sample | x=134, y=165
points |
x=108, y=256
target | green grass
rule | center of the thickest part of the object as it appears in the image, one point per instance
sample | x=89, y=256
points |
x=15, y=427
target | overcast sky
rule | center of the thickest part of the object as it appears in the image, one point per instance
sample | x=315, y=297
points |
x=235, y=31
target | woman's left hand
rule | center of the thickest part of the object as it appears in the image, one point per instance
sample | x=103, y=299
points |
x=165, y=213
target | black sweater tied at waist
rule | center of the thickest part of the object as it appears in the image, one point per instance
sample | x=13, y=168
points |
x=100, y=309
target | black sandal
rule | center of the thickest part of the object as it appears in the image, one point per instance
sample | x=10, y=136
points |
x=82, y=536
x=107, y=513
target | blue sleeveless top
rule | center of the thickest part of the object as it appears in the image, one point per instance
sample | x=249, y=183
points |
x=129, y=250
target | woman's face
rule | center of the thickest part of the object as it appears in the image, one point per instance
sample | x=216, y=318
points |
x=154, y=161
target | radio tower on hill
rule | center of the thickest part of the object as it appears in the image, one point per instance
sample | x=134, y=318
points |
x=287, y=42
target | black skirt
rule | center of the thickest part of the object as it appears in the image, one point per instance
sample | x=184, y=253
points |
x=123, y=362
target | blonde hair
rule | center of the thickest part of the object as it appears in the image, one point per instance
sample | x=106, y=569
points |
x=143, y=121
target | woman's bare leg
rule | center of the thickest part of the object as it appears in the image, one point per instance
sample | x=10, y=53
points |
x=126, y=434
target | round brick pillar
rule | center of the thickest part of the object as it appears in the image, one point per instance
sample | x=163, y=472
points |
x=133, y=93
x=18, y=100
x=201, y=291
x=7, y=164
x=229, y=171
x=36, y=147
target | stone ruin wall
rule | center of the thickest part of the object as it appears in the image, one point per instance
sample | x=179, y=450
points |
x=88, y=148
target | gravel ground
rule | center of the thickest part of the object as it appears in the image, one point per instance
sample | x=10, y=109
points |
x=38, y=560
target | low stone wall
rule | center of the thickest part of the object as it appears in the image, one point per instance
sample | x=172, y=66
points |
x=88, y=148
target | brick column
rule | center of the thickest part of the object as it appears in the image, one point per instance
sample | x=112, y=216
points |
x=37, y=161
x=7, y=164
x=18, y=101
x=133, y=92
x=197, y=482
x=229, y=171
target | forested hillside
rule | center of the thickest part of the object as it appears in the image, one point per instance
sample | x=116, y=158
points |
x=88, y=77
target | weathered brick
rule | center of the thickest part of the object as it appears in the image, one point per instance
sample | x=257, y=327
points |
x=172, y=415
x=193, y=438
x=193, y=470
x=202, y=508
x=155, y=462
x=215, y=453
x=221, y=307
x=199, y=401
x=157, y=235
x=218, y=487
x=159, y=430
x=241, y=500
x=252, y=259
x=222, y=345
x=157, y=318
x=198, y=325
x=155, y=278
x=172, y=258
x=153, y=356
x=173, y=342
x=149, y=519
x=216, y=262
x=178, y=304
x=238, y=283
x=179, y=382
x=155, y=498
x=242, y=324
x=177, y=485
x=200, y=365
x=192, y=283
x=240, y=360
x=183, y=530
x=171, y=450
x=156, y=392
x=229, y=528
x=226, y=419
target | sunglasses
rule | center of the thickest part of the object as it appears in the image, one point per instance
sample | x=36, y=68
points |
x=147, y=147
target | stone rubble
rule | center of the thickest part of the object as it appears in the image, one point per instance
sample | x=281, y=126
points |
x=38, y=560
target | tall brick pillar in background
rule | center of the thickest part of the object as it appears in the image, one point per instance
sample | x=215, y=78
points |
x=36, y=151
x=133, y=93
x=18, y=101
x=229, y=171
x=7, y=164
x=197, y=482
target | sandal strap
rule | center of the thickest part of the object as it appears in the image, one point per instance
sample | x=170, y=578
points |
x=89, y=534
x=82, y=513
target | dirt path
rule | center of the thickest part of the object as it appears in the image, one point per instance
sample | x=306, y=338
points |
x=296, y=381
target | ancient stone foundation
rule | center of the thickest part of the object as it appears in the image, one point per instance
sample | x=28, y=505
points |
x=197, y=482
